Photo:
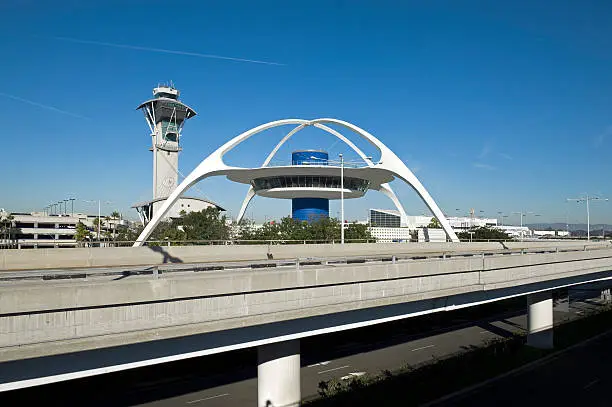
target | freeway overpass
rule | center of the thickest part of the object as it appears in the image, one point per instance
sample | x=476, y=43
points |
x=81, y=312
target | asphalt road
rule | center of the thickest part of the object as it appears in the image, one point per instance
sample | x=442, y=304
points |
x=578, y=377
x=230, y=379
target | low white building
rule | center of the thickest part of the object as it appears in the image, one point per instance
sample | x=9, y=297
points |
x=551, y=233
x=185, y=204
x=515, y=231
x=386, y=235
x=431, y=235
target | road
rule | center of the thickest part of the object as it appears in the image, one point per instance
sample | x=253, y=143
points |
x=230, y=379
x=578, y=377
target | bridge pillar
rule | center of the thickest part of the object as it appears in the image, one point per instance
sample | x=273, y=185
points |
x=278, y=374
x=540, y=320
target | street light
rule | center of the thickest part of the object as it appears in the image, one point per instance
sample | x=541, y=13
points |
x=586, y=198
x=99, y=203
x=341, y=198
x=501, y=217
x=71, y=205
x=523, y=214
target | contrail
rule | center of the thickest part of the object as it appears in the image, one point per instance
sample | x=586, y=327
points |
x=43, y=106
x=167, y=51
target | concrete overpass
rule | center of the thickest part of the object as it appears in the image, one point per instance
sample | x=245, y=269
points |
x=144, y=306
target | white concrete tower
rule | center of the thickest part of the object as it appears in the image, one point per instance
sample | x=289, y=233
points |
x=165, y=115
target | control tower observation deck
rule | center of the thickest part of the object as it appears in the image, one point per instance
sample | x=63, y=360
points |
x=166, y=115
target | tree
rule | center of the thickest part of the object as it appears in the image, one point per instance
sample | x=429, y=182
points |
x=207, y=224
x=358, y=232
x=434, y=224
x=484, y=233
x=81, y=234
x=7, y=227
x=128, y=234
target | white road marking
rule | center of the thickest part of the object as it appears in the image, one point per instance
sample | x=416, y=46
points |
x=208, y=398
x=590, y=384
x=424, y=347
x=320, y=364
x=331, y=370
x=484, y=332
x=352, y=374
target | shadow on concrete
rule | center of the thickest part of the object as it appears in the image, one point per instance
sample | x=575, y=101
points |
x=504, y=333
x=167, y=257
x=514, y=324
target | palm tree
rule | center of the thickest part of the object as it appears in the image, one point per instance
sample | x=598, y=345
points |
x=115, y=215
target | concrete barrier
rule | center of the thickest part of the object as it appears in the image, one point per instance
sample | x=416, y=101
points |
x=41, y=259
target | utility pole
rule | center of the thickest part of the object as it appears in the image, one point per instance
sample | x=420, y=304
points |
x=523, y=214
x=341, y=198
x=586, y=198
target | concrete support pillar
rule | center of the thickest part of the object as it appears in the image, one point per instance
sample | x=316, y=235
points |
x=278, y=374
x=540, y=320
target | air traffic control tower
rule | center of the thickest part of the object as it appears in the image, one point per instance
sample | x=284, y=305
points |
x=166, y=116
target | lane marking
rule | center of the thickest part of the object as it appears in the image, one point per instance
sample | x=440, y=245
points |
x=327, y=362
x=208, y=398
x=484, y=332
x=590, y=384
x=424, y=347
x=331, y=370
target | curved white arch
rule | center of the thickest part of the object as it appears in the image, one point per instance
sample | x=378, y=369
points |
x=392, y=163
x=384, y=188
x=214, y=165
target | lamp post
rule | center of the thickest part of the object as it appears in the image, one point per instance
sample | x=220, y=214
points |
x=523, y=214
x=586, y=198
x=99, y=204
x=341, y=198
x=71, y=205
x=501, y=217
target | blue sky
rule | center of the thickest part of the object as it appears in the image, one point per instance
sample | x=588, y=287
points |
x=496, y=106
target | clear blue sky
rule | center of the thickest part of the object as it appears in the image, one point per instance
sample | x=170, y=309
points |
x=497, y=106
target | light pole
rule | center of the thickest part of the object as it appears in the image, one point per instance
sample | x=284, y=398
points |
x=99, y=203
x=586, y=198
x=501, y=217
x=523, y=214
x=341, y=198
x=72, y=205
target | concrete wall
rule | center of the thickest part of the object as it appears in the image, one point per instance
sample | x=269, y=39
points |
x=55, y=317
x=136, y=256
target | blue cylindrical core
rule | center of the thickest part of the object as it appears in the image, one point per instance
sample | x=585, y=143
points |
x=309, y=157
x=309, y=209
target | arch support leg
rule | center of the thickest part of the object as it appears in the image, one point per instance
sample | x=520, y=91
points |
x=247, y=199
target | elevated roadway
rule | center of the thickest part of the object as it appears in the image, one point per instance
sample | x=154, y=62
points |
x=120, y=316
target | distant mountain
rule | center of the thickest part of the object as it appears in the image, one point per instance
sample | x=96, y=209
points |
x=572, y=227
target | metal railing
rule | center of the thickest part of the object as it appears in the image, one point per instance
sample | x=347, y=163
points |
x=50, y=243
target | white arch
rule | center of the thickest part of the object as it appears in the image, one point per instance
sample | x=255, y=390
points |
x=391, y=162
x=214, y=165
x=384, y=188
